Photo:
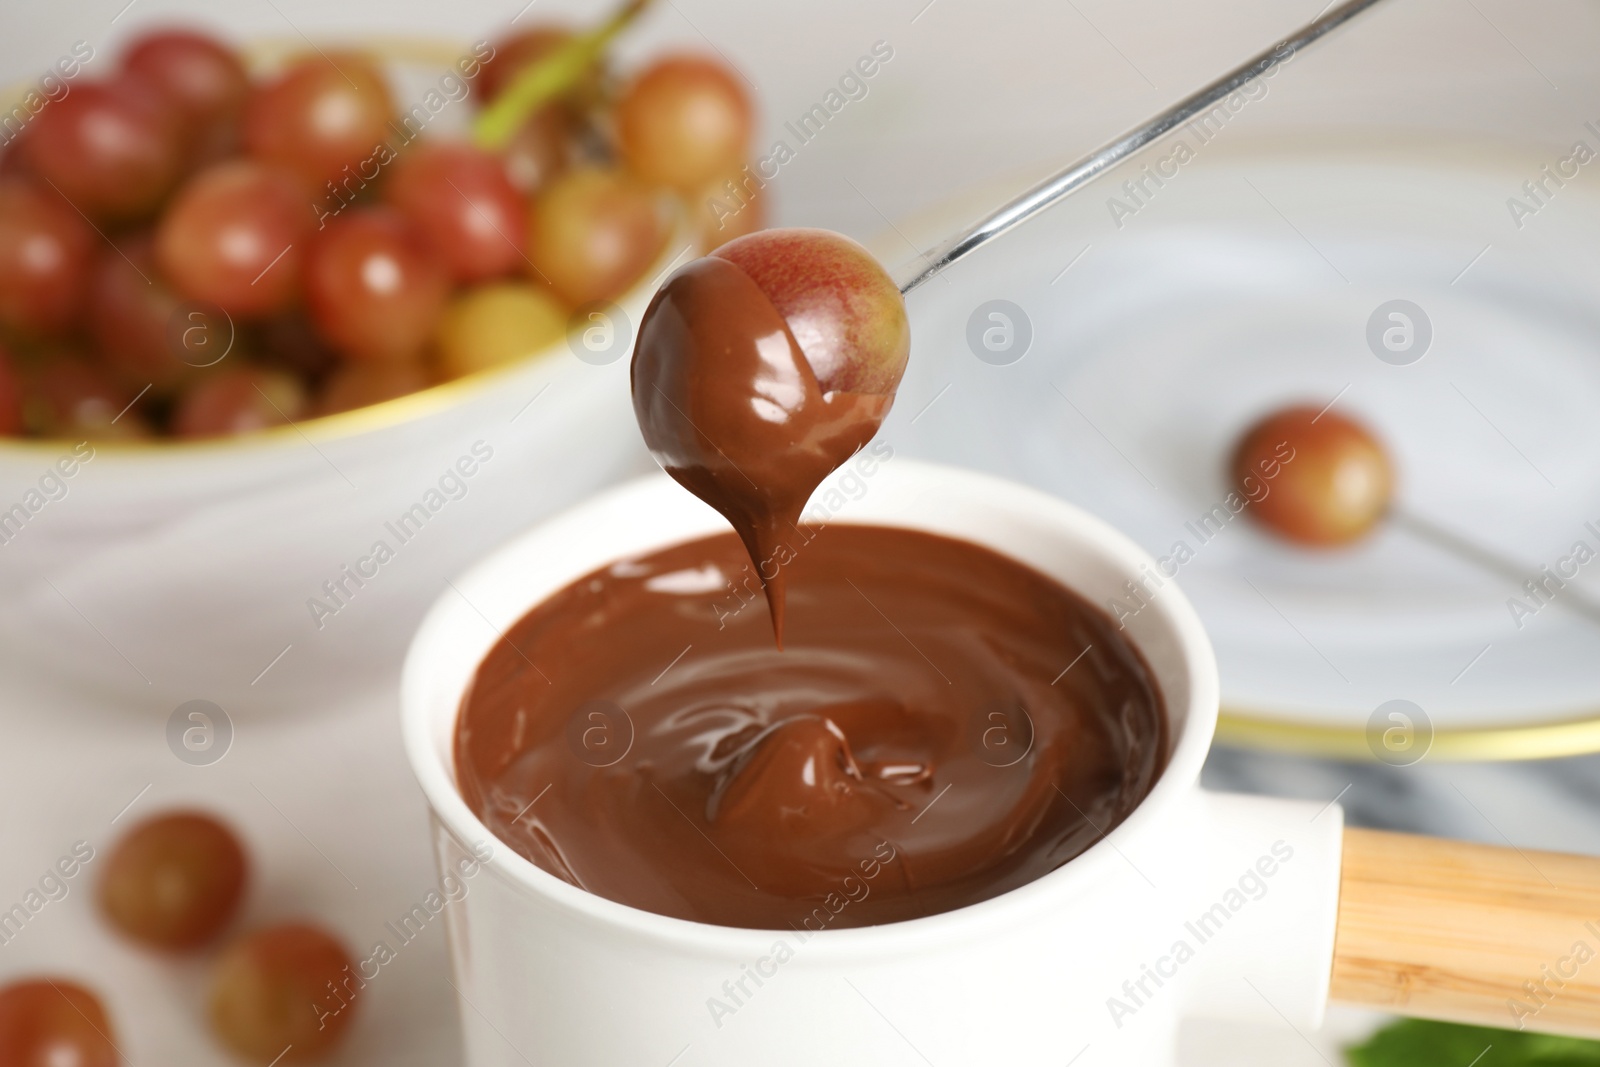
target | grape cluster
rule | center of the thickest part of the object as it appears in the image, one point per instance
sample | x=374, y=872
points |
x=169, y=264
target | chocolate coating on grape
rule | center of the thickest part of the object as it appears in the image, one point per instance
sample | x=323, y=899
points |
x=759, y=370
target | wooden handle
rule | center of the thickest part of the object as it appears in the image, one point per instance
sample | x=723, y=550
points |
x=1469, y=933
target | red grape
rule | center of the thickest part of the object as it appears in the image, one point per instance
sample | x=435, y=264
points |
x=290, y=342
x=495, y=324
x=112, y=148
x=233, y=236
x=130, y=313
x=69, y=397
x=199, y=75
x=10, y=394
x=593, y=233
x=203, y=79
x=174, y=881
x=461, y=202
x=54, y=1022
x=374, y=289
x=321, y=115
x=289, y=987
x=12, y=161
x=844, y=310
x=539, y=150
x=238, y=399
x=358, y=385
x=1313, y=476
x=514, y=54
x=45, y=254
x=684, y=121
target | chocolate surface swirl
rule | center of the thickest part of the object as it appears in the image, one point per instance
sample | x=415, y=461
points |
x=920, y=745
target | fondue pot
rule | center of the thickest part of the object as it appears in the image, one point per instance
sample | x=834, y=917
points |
x=1198, y=905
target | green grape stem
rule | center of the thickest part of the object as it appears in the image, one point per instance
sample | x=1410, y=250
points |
x=544, y=81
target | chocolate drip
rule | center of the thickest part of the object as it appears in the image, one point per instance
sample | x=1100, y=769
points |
x=730, y=407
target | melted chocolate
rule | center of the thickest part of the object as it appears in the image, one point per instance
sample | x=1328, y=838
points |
x=731, y=408
x=946, y=724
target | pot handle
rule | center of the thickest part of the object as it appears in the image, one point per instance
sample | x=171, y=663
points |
x=1469, y=933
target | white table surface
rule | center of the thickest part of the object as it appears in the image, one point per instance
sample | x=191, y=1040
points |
x=337, y=829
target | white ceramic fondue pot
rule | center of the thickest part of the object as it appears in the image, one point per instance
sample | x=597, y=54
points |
x=1198, y=905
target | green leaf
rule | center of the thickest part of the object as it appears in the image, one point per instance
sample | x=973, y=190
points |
x=1423, y=1043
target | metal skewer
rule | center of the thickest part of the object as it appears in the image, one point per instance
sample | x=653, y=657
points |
x=1567, y=595
x=1066, y=182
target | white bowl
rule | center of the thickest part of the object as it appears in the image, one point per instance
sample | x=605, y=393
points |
x=166, y=571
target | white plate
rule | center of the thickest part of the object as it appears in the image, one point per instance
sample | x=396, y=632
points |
x=1245, y=282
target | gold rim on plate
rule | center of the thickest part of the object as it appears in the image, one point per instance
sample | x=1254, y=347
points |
x=1572, y=737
